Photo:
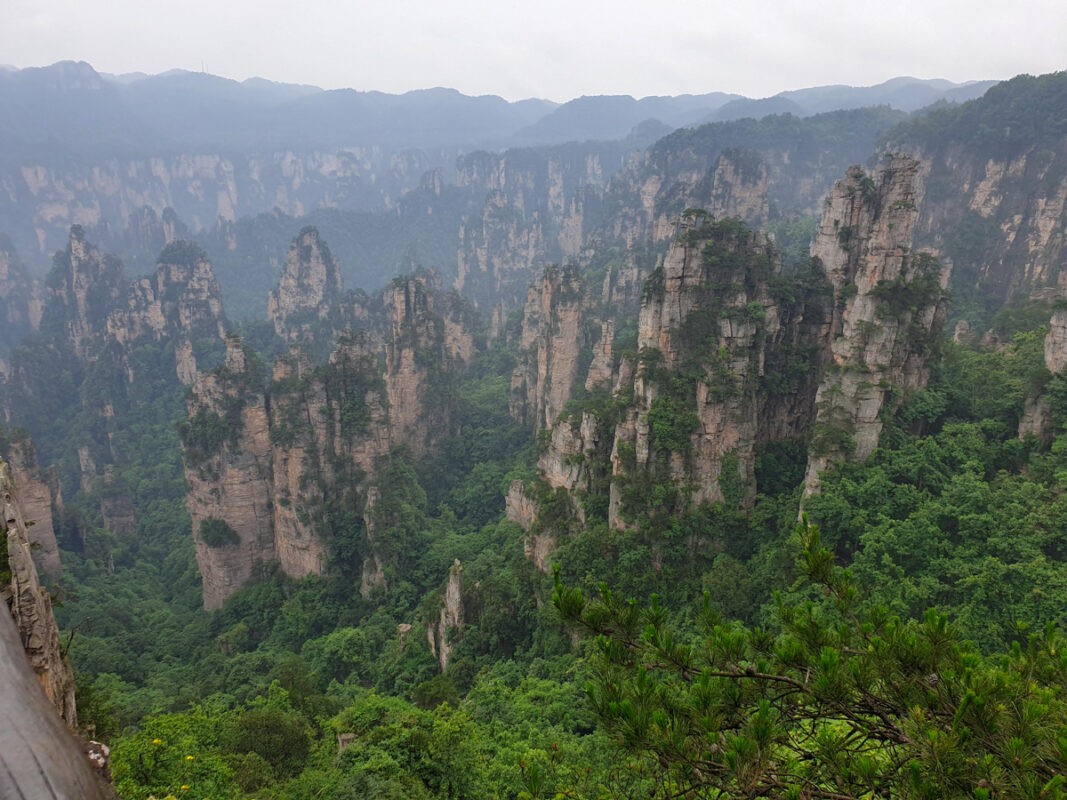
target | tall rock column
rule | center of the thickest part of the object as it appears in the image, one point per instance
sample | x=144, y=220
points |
x=309, y=290
x=888, y=309
x=227, y=453
x=84, y=286
x=705, y=325
x=543, y=381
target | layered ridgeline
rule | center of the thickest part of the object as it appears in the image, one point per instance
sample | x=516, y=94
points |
x=577, y=203
x=732, y=358
x=837, y=337
x=490, y=221
x=493, y=227
x=215, y=150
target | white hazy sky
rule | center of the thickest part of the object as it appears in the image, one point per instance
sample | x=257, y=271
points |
x=558, y=49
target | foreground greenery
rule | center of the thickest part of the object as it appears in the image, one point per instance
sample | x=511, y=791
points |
x=844, y=700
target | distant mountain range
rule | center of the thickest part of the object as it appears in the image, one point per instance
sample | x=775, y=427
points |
x=70, y=109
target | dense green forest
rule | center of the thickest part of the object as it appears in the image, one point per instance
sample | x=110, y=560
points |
x=898, y=633
x=303, y=688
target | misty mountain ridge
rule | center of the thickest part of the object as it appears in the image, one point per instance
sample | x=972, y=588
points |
x=71, y=106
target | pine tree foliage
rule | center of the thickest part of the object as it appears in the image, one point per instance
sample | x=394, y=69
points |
x=844, y=700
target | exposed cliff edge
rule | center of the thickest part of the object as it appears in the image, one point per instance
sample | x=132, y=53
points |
x=723, y=359
x=41, y=757
x=996, y=194
x=535, y=210
x=35, y=502
x=108, y=352
x=31, y=607
x=85, y=285
x=181, y=304
x=441, y=633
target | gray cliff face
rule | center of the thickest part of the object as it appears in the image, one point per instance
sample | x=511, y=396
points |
x=31, y=607
x=440, y=633
x=1056, y=342
x=84, y=286
x=309, y=289
x=200, y=188
x=997, y=221
x=534, y=212
x=228, y=474
x=416, y=338
x=707, y=328
x=888, y=306
x=35, y=503
x=551, y=339
x=727, y=395
x=708, y=384
x=304, y=452
x=729, y=357
x=98, y=326
x=181, y=304
x=329, y=427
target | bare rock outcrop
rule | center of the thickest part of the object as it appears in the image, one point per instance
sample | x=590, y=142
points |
x=181, y=303
x=35, y=503
x=705, y=328
x=420, y=351
x=551, y=338
x=309, y=289
x=301, y=456
x=440, y=632
x=888, y=308
x=227, y=451
x=534, y=213
x=84, y=286
x=329, y=426
x=31, y=607
x=1056, y=342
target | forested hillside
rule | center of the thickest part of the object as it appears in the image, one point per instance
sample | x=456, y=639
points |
x=733, y=466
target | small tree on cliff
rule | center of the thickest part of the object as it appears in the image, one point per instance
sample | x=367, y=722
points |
x=846, y=701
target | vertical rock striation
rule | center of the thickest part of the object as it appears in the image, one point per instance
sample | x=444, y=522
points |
x=181, y=304
x=300, y=457
x=309, y=291
x=84, y=286
x=440, y=633
x=551, y=337
x=888, y=309
x=31, y=608
x=227, y=454
x=35, y=503
x=731, y=356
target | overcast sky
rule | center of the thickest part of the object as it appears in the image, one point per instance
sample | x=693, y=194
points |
x=558, y=49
